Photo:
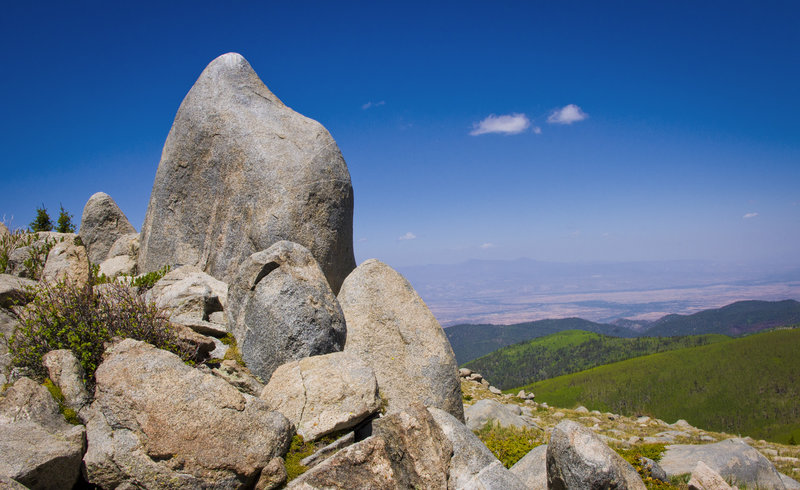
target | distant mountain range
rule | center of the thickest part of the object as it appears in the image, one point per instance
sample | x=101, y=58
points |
x=472, y=341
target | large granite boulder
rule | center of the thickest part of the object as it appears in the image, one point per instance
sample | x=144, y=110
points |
x=577, y=458
x=37, y=447
x=532, y=468
x=733, y=459
x=66, y=372
x=122, y=257
x=407, y=450
x=102, y=223
x=704, y=478
x=239, y=172
x=67, y=261
x=473, y=465
x=389, y=326
x=280, y=309
x=323, y=394
x=158, y=423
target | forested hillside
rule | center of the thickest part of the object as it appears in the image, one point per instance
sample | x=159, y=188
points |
x=569, y=352
x=748, y=386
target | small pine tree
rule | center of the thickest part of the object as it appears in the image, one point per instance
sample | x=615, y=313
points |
x=792, y=441
x=64, y=221
x=42, y=221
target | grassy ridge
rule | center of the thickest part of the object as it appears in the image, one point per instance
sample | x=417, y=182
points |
x=748, y=386
x=571, y=351
x=473, y=341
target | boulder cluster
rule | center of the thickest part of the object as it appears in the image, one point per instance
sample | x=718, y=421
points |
x=251, y=215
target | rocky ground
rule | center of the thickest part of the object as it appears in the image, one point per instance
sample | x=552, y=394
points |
x=623, y=432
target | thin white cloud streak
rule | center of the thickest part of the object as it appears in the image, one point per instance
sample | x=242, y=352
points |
x=487, y=245
x=371, y=104
x=506, y=124
x=537, y=130
x=567, y=115
x=749, y=215
x=407, y=236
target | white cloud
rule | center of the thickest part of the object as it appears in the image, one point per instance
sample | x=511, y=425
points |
x=373, y=104
x=407, y=236
x=537, y=130
x=567, y=115
x=487, y=245
x=749, y=215
x=507, y=124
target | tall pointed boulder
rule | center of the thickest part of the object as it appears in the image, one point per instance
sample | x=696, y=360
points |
x=239, y=172
x=102, y=223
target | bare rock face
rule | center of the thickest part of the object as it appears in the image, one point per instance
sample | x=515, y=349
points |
x=389, y=326
x=102, y=223
x=577, y=458
x=239, y=172
x=472, y=464
x=37, y=447
x=532, y=468
x=67, y=262
x=408, y=450
x=14, y=290
x=734, y=459
x=158, y=423
x=323, y=394
x=280, y=309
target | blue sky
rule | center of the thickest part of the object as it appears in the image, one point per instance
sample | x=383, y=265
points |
x=560, y=131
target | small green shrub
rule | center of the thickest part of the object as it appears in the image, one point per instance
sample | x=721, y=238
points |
x=650, y=451
x=17, y=238
x=509, y=444
x=298, y=450
x=67, y=316
x=147, y=281
x=37, y=256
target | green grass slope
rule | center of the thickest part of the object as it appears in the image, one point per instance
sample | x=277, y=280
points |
x=739, y=318
x=472, y=341
x=571, y=351
x=748, y=386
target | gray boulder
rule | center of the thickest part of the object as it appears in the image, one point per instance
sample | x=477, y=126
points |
x=281, y=309
x=115, y=266
x=407, y=450
x=8, y=325
x=472, y=464
x=790, y=483
x=323, y=394
x=66, y=372
x=482, y=411
x=191, y=297
x=37, y=447
x=733, y=459
x=14, y=290
x=127, y=245
x=577, y=458
x=102, y=223
x=389, y=326
x=239, y=172
x=67, y=262
x=159, y=423
x=532, y=468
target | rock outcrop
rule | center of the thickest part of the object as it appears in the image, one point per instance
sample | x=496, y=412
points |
x=532, y=468
x=323, y=394
x=472, y=464
x=577, y=458
x=389, y=326
x=407, y=450
x=14, y=290
x=239, y=172
x=102, y=223
x=483, y=411
x=281, y=309
x=157, y=422
x=733, y=459
x=191, y=297
x=37, y=447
